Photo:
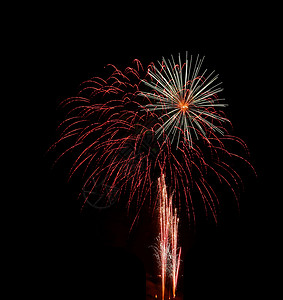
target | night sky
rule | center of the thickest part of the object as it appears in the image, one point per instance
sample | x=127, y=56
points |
x=92, y=252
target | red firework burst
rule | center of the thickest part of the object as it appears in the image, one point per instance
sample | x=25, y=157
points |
x=127, y=129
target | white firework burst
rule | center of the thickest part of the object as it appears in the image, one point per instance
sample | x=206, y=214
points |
x=186, y=100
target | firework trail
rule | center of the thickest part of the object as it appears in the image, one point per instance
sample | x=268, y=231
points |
x=165, y=213
x=176, y=252
x=166, y=250
x=125, y=129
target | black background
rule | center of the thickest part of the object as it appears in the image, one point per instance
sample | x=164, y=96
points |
x=72, y=45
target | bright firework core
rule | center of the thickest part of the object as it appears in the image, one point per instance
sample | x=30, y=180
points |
x=183, y=106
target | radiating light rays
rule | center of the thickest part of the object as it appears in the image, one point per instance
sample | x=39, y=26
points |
x=184, y=99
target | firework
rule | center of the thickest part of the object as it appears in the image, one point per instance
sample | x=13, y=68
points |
x=107, y=136
x=166, y=249
x=186, y=98
x=125, y=129
x=164, y=218
x=176, y=252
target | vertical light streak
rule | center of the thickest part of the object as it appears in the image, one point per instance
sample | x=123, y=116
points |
x=175, y=255
x=169, y=252
x=164, y=230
